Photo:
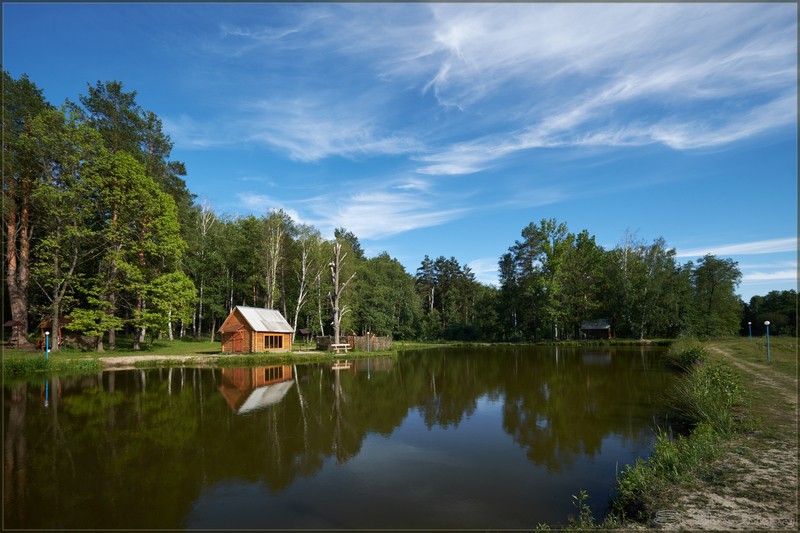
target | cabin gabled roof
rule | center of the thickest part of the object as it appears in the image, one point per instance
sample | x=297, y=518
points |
x=602, y=323
x=264, y=320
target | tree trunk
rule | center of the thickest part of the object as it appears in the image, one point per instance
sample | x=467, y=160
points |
x=319, y=303
x=335, y=298
x=169, y=327
x=55, y=329
x=17, y=267
x=200, y=314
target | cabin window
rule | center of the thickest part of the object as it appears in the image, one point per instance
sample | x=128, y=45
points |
x=273, y=341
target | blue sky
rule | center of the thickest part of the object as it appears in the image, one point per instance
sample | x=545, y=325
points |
x=444, y=129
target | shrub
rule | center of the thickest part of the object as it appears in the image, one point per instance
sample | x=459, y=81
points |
x=687, y=354
x=710, y=394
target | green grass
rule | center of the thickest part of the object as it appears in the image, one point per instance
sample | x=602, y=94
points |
x=686, y=354
x=783, y=352
x=640, y=485
x=39, y=364
x=711, y=394
x=184, y=346
x=17, y=363
x=729, y=411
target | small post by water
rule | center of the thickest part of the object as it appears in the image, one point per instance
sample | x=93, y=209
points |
x=766, y=323
x=750, y=331
x=47, y=345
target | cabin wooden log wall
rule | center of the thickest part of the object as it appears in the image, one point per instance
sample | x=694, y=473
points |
x=252, y=329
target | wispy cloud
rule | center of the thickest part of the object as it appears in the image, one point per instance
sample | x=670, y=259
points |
x=788, y=244
x=485, y=269
x=188, y=132
x=780, y=275
x=310, y=130
x=307, y=129
x=721, y=75
x=707, y=75
x=369, y=209
x=379, y=214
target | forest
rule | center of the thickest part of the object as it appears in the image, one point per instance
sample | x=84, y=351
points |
x=103, y=238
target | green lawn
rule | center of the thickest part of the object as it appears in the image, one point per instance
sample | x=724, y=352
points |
x=124, y=347
x=783, y=352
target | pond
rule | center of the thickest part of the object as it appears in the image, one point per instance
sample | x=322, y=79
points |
x=494, y=437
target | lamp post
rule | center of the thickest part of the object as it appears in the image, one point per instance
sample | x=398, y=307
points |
x=750, y=331
x=766, y=323
x=47, y=345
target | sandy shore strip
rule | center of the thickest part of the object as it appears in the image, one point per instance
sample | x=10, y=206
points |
x=128, y=362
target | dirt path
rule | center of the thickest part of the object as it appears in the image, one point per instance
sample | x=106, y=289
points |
x=754, y=485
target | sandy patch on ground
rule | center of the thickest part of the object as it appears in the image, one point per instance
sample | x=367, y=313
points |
x=747, y=490
x=127, y=362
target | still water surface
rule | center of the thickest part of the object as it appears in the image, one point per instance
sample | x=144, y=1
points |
x=498, y=437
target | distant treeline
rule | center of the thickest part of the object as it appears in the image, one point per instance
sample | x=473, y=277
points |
x=100, y=228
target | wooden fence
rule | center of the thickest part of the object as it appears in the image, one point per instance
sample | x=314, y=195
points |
x=374, y=343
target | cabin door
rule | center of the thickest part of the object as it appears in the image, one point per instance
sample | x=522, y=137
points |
x=238, y=342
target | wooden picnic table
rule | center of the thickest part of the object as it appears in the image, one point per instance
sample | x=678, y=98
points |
x=338, y=347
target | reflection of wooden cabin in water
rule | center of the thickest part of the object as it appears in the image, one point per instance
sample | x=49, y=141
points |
x=597, y=358
x=250, y=389
x=596, y=329
x=253, y=329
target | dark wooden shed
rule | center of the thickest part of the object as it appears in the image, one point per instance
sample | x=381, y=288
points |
x=596, y=329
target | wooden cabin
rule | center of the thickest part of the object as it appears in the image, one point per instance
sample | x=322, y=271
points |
x=254, y=329
x=596, y=329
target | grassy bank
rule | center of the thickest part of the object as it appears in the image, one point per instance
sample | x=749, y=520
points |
x=710, y=403
x=735, y=466
x=16, y=367
x=18, y=363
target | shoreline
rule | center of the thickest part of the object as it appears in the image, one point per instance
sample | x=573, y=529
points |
x=129, y=362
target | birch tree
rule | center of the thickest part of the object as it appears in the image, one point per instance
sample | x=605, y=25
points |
x=335, y=296
x=307, y=240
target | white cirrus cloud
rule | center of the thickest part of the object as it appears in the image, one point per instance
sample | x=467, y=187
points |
x=787, y=244
x=722, y=74
x=778, y=275
x=310, y=130
x=485, y=269
x=379, y=214
x=463, y=88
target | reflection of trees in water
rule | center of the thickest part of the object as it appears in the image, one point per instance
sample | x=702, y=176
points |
x=14, y=452
x=156, y=439
x=561, y=410
x=557, y=406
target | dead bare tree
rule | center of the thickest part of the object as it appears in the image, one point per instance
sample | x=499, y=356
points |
x=335, y=298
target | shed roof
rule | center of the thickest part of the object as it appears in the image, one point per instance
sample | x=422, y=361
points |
x=602, y=323
x=260, y=319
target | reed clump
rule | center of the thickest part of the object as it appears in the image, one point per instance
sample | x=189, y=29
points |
x=687, y=354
